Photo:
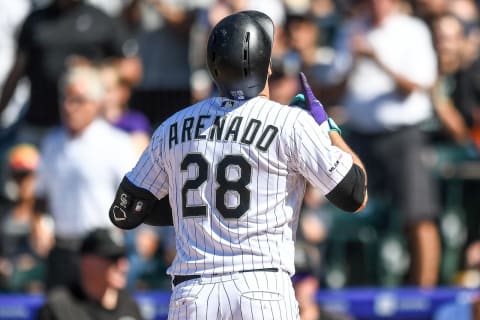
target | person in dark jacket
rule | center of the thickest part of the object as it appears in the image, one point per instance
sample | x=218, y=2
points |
x=101, y=294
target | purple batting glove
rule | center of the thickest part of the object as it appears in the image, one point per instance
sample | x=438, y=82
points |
x=311, y=102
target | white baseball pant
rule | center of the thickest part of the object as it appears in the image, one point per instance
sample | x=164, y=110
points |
x=249, y=295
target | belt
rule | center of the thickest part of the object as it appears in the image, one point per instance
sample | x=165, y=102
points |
x=182, y=278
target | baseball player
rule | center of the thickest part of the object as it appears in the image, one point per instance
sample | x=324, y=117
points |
x=235, y=168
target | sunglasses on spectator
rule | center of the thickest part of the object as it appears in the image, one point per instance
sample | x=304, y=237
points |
x=76, y=100
x=469, y=26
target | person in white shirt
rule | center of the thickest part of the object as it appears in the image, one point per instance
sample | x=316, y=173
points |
x=82, y=163
x=386, y=62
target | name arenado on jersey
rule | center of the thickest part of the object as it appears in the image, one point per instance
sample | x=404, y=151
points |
x=197, y=128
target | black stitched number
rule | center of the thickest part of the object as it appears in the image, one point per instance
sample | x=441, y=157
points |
x=237, y=187
x=202, y=172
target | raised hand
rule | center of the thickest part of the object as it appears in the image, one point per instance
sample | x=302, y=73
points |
x=307, y=100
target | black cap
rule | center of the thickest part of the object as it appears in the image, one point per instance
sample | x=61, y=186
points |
x=105, y=243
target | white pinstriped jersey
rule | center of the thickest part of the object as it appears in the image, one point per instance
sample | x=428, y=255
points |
x=235, y=173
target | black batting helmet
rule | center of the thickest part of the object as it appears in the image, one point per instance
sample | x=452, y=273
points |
x=238, y=53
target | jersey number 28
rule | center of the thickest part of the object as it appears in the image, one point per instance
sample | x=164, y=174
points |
x=238, y=186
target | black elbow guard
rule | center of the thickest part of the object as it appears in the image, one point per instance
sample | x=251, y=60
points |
x=349, y=194
x=161, y=214
x=132, y=206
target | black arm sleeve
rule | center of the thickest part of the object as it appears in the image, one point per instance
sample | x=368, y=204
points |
x=349, y=194
x=134, y=205
x=161, y=214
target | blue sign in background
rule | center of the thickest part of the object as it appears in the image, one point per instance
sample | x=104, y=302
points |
x=361, y=303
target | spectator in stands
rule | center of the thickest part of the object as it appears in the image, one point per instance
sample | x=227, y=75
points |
x=49, y=38
x=428, y=10
x=458, y=91
x=467, y=98
x=116, y=109
x=303, y=33
x=450, y=94
x=101, y=295
x=21, y=259
x=459, y=46
x=450, y=137
x=82, y=163
x=467, y=11
x=328, y=16
x=392, y=69
x=163, y=34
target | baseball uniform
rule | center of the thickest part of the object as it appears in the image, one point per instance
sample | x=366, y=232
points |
x=235, y=173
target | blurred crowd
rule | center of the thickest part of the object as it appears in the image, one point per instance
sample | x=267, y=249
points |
x=85, y=83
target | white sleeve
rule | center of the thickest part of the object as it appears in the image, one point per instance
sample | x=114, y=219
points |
x=321, y=163
x=149, y=173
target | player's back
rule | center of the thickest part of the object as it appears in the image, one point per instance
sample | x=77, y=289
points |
x=233, y=193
